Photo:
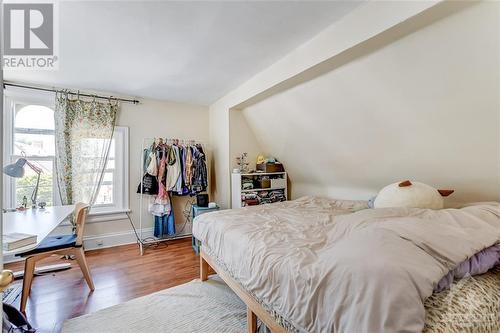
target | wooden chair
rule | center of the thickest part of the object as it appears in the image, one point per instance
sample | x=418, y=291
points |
x=61, y=245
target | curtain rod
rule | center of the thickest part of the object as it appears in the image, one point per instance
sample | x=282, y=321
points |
x=12, y=84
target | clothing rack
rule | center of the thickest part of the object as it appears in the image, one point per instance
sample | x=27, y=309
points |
x=147, y=142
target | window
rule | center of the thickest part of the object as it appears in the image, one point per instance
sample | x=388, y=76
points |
x=113, y=193
x=29, y=133
x=34, y=139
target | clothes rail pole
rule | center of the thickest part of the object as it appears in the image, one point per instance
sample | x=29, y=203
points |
x=146, y=142
x=141, y=185
x=72, y=92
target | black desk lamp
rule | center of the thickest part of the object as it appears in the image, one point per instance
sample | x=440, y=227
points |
x=16, y=170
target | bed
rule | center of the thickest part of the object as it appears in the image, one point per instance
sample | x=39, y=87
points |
x=322, y=265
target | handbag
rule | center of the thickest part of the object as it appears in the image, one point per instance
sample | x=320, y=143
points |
x=13, y=321
x=149, y=185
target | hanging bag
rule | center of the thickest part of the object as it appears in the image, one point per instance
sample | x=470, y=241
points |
x=13, y=321
x=149, y=185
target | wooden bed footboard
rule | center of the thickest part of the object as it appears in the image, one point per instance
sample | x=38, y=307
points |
x=254, y=309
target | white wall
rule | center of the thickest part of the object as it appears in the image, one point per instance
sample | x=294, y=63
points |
x=329, y=46
x=219, y=141
x=422, y=106
x=242, y=140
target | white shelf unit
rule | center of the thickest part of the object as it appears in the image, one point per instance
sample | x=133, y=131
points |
x=237, y=191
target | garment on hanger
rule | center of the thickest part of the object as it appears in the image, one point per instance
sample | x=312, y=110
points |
x=159, y=206
x=145, y=158
x=152, y=168
x=199, y=179
x=178, y=184
x=181, y=187
x=173, y=168
x=188, y=166
x=164, y=224
x=149, y=183
x=161, y=162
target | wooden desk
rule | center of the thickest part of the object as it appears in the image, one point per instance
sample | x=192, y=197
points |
x=39, y=222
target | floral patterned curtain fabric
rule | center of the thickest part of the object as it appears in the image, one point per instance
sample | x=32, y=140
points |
x=83, y=133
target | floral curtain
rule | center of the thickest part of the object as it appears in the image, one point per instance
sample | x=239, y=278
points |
x=83, y=133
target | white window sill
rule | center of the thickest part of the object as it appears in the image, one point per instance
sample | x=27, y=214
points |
x=110, y=215
x=105, y=216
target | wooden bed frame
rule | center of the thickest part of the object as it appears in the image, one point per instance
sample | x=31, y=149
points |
x=254, y=309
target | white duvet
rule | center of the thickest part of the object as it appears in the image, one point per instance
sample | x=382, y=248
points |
x=318, y=267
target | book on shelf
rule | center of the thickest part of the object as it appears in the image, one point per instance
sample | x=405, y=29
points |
x=16, y=240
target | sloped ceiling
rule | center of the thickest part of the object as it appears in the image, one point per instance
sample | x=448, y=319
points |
x=184, y=51
x=424, y=107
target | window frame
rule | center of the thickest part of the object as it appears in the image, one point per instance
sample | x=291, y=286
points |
x=120, y=176
x=12, y=97
x=98, y=213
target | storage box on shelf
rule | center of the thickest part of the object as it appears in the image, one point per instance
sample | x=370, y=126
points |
x=278, y=183
x=258, y=188
x=270, y=167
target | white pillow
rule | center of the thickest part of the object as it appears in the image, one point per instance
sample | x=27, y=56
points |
x=411, y=195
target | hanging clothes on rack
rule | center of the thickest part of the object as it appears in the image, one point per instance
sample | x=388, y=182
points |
x=170, y=168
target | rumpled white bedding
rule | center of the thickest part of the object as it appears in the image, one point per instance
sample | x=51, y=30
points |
x=320, y=268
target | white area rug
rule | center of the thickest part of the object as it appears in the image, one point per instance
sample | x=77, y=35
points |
x=196, y=306
x=212, y=307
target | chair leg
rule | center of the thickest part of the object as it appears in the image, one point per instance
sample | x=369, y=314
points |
x=29, y=270
x=80, y=258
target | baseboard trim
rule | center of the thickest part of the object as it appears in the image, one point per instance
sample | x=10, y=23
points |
x=103, y=241
x=96, y=242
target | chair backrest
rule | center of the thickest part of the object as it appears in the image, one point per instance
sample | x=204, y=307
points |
x=81, y=210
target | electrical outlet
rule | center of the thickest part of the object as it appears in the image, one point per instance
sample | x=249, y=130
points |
x=100, y=242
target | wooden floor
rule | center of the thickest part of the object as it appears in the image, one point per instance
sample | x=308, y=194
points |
x=120, y=274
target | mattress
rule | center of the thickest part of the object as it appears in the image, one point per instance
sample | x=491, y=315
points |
x=322, y=265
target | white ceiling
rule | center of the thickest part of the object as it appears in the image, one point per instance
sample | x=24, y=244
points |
x=191, y=52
